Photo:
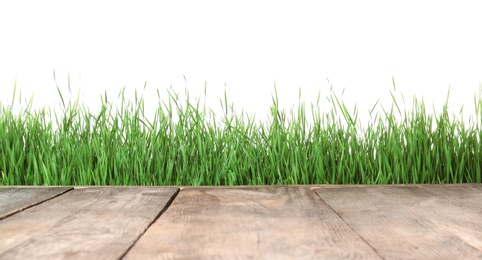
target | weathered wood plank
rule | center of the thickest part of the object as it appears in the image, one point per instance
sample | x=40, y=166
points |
x=16, y=199
x=402, y=222
x=457, y=209
x=246, y=223
x=86, y=223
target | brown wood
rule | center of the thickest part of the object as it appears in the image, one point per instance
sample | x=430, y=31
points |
x=257, y=222
x=413, y=221
x=16, y=199
x=458, y=209
x=356, y=221
x=86, y=223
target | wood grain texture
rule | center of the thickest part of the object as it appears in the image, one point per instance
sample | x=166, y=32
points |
x=457, y=209
x=86, y=223
x=412, y=221
x=16, y=199
x=250, y=223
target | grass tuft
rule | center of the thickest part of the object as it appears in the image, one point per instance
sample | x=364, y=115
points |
x=121, y=146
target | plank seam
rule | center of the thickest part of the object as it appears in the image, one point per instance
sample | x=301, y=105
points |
x=361, y=237
x=168, y=204
x=35, y=204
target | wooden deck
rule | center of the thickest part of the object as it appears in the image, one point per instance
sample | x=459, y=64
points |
x=263, y=222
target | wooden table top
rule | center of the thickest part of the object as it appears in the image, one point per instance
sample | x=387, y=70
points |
x=256, y=222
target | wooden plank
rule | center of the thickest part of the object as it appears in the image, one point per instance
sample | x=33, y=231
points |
x=86, y=223
x=457, y=209
x=246, y=223
x=466, y=196
x=15, y=199
x=401, y=222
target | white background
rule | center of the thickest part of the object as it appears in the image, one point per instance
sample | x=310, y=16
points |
x=244, y=47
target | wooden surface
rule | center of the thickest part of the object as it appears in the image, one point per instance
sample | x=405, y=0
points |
x=85, y=223
x=413, y=222
x=264, y=222
x=13, y=200
x=269, y=222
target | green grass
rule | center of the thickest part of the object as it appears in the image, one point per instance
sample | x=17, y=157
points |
x=185, y=144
